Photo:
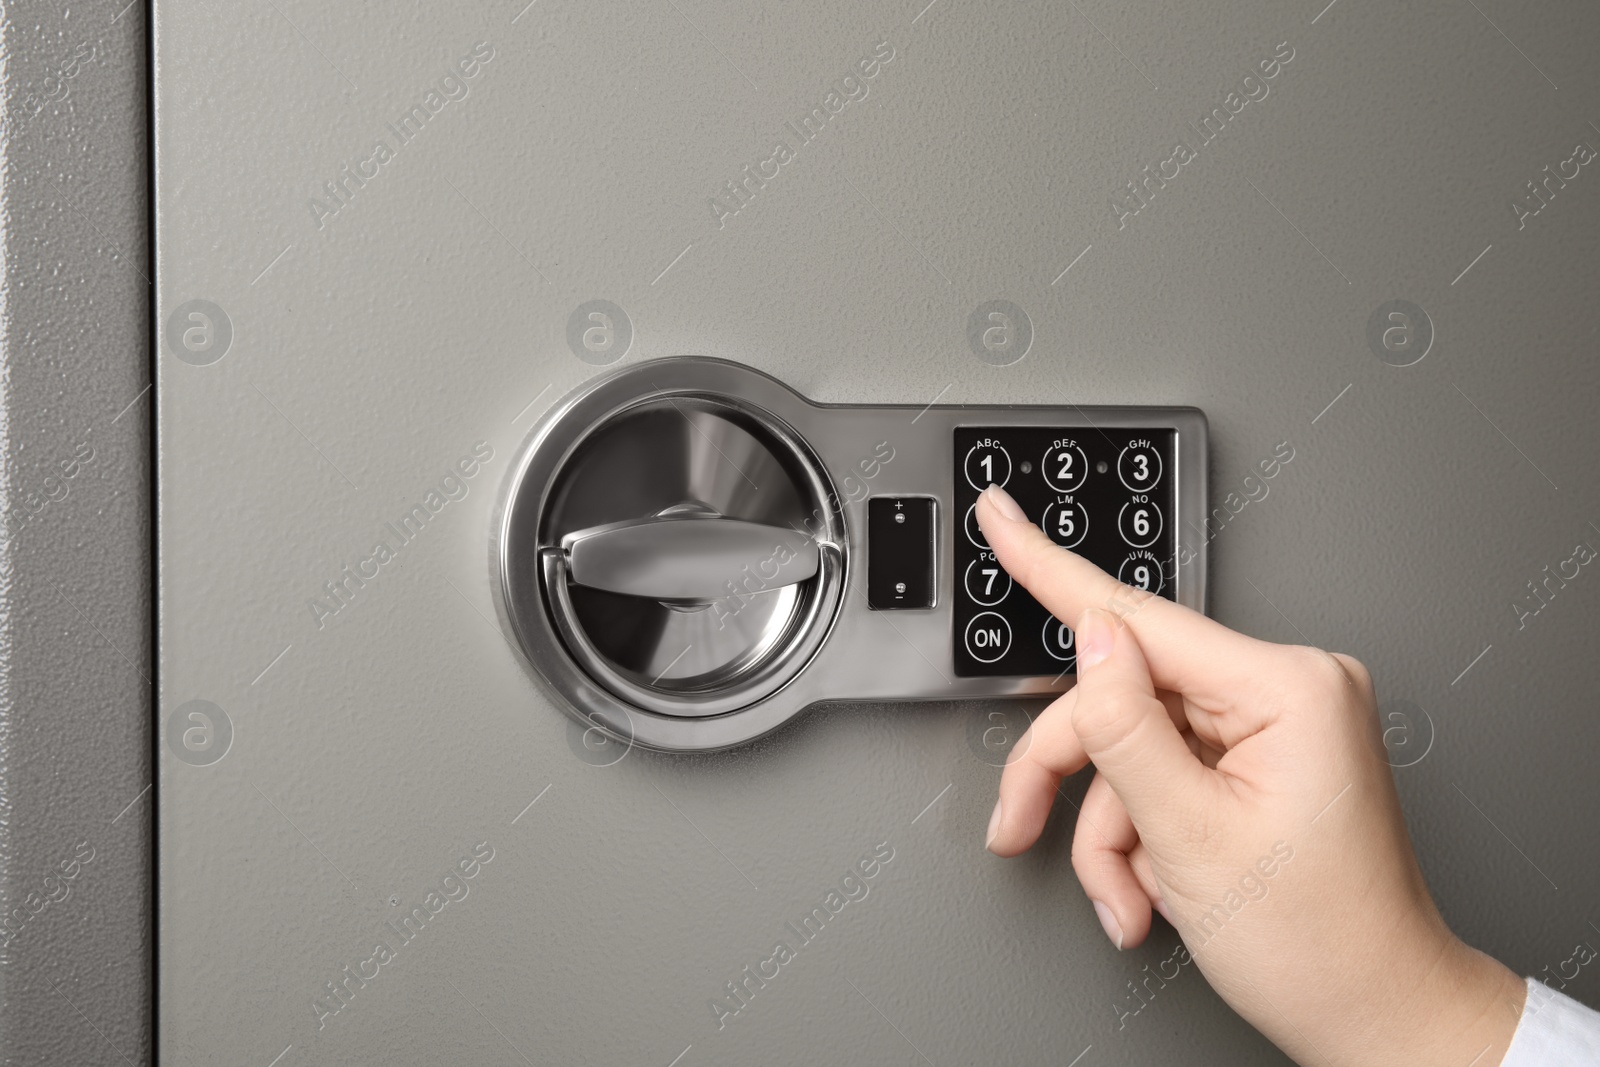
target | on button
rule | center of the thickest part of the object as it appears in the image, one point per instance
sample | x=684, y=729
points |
x=988, y=637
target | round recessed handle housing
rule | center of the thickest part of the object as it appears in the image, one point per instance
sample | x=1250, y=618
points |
x=671, y=553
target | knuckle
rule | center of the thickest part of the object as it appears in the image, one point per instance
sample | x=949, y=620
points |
x=1089, y=857
x=1355, y=670
x=1109, y=719
x=1319, y=671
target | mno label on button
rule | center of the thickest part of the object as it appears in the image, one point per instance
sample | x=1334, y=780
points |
x=988, y=637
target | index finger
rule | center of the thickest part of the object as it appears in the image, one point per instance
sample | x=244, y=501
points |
x=1187, y=652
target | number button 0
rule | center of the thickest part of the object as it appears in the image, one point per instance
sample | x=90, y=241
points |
x=1066, y=522
x=1058, y=641
x=986, y=465
x=1139, y=466
x=1139, y=522
x=1142, y=571
x=1064, y=468
x=987, y=582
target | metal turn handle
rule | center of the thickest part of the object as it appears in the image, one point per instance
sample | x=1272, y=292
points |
x=692, y=557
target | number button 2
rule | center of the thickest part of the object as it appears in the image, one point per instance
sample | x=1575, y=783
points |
x=1064, y=468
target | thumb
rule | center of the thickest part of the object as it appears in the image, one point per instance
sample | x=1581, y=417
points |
x=1125, y=728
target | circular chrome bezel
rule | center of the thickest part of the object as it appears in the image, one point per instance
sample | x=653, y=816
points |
x=530, y=574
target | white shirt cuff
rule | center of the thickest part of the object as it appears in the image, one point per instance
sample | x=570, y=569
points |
x=1554, y=1031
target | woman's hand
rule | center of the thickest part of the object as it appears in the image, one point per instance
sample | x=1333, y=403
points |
x=1242, y=792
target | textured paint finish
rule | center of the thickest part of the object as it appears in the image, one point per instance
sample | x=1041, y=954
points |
x=391, y=296
x=75, y=809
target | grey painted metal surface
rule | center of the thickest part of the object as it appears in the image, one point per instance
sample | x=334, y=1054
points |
x=75, y=810
x=398, y=216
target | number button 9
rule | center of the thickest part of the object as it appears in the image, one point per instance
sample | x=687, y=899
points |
x=1142, y=571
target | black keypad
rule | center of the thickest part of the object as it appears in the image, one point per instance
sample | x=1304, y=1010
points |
x=1107, y=495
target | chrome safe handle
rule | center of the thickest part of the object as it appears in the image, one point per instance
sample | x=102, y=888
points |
x=688, y=557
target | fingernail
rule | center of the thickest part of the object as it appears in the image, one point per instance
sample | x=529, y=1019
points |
x=1094, y=636
x=994, y=826
x=1161, y=909
x=1003, y=503
x=1109, y=922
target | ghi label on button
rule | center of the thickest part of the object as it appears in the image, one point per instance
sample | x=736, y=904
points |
x=988, y=637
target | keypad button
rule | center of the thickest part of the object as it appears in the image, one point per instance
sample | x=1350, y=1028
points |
x=1059, y=641
x=988, y=637
x=1064, y=467
x=1066, y=522
x=987, y=464
x=987, y=582
x=974, y=533
x=1139, y=522
x=1139, y=466
x=1142, y=571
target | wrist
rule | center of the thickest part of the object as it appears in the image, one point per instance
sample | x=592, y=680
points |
x=1465, y=1011
x=1479, y=1004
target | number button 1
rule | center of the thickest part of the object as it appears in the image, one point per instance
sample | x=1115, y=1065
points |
x=986, y=465
x=987, y=582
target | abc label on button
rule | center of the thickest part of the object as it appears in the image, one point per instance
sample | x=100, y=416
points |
x=988, y=637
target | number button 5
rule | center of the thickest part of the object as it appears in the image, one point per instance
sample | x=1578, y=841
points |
x=1066, y=523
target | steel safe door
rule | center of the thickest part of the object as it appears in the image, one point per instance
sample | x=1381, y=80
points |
x=1360, y=238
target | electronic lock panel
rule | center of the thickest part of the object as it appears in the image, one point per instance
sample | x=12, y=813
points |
x=690, y=553
x=1105, y=494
